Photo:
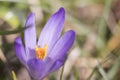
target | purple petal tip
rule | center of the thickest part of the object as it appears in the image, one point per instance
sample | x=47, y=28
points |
x=31, y=15
x=18, y=40
x=62, y=10
x=73, y=33
x=30, y=20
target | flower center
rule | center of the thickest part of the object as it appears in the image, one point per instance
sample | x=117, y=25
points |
x=41, y=52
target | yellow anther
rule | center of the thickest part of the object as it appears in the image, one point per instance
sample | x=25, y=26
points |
x=41, y=52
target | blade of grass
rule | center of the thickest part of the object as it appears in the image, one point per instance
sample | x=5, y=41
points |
x=94, y=70
x=102, y=72
x=102, y=24
x=76, y=74
x=112, y=55
x=14, y=1
x=18, y=1
x=3, y=32
x=14, y=75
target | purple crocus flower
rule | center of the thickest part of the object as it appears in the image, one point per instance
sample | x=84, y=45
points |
x=48, y=53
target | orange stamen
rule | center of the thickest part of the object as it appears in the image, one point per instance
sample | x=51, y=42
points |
x=41, y=52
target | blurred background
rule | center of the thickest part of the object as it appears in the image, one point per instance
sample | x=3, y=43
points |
x=96, y=51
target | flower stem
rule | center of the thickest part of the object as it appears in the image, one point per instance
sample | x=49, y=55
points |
x=62, y=72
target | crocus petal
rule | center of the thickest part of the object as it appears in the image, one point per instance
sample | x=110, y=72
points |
x=52, y=30
x=56, y=65
x=36, y=68
x=19, y=50
x=30, y=32
x=60, y=49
